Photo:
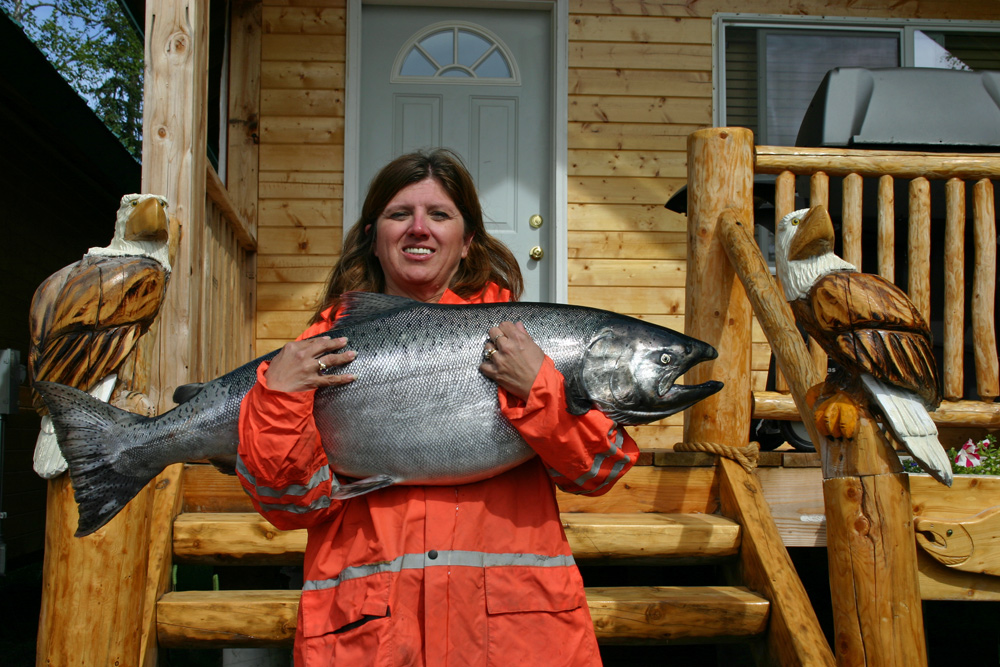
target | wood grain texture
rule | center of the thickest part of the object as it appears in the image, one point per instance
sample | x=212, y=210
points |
x=970, y=544
x=772, y=405
x=954, y=290
x=87, y=318
x=918, y=246
x=886, y=228
x=851, y=223
x=624, y=615
x=199, y=619
x=672, y=9
x=857, y=623
x=902, y=165
x=794, y=635
x=233, y=538
x=720, y=178
x=868, y=325
x=984, y=286
x=872, y=556
x=92, y=587
x=775, y=314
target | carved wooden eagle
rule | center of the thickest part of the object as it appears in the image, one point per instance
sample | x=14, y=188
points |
x=86, y=318
x=872, y=331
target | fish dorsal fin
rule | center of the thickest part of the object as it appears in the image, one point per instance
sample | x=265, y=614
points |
x=359, y=306
x=186, y=392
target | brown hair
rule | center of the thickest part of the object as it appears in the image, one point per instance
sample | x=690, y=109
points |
x=488, y=259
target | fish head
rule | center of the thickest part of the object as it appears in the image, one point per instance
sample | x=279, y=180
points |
x=630, y=369
x=947, y=541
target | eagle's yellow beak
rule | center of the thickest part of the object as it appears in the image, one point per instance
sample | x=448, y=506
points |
x=147, y=221
x=814, y=236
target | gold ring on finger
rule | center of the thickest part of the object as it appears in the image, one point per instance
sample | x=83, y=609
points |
x=322, y=366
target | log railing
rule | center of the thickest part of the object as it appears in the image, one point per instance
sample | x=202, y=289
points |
x=961, y=174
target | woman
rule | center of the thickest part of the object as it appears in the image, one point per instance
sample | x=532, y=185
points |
x=477, y=574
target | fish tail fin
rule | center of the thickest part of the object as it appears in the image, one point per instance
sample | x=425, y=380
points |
x=89, y=436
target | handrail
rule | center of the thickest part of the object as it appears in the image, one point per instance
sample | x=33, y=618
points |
x=901, y=164
x=219, y=195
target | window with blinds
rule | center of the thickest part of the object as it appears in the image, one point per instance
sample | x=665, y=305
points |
x=770, y=70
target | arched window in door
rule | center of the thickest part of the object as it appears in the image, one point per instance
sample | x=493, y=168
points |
x=455, y=52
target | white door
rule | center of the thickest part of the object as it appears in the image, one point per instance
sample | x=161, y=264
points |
x=477, y=81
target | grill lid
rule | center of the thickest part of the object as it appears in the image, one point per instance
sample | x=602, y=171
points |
x=904, y=108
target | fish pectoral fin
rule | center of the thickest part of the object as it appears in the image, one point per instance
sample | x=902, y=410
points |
x=224, y=464
x=362, y=487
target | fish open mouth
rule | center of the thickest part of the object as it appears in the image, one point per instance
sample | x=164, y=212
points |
x=690, y=393
x=677, y=397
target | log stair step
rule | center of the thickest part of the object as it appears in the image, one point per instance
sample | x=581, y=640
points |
x=230, y=538
x=659, y=614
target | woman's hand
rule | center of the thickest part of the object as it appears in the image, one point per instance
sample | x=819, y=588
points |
x=511, y=358
x=300, y=365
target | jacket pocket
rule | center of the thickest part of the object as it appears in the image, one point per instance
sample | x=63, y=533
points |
x=521, y=589
x=345, y=607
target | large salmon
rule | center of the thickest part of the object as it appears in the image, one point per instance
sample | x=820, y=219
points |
x=419, y=412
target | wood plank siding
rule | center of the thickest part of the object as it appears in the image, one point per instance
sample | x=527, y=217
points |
x=640, y=81
x=303, y=53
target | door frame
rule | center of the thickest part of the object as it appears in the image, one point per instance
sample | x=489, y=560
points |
x=559, y=10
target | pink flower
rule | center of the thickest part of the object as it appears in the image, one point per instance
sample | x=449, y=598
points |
x=968, y=456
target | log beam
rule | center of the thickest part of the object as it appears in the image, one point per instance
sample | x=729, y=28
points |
x=621, y=615
x=248, y=539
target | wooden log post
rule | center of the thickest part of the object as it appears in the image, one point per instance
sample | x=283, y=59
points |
x=720, y=177
x=174, y=164
x=877, y=612
x=870, y=540
x=720, y=180
x=93, y=586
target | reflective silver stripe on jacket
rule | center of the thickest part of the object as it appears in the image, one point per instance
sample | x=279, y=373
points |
x=438, y=559
x=320, y=476
x=617, y=440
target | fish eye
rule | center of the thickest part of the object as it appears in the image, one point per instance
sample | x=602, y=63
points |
x=664, y=358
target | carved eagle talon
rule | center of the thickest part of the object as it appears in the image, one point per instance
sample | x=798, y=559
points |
x=837, y=417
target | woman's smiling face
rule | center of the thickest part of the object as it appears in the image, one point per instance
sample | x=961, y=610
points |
x=420, y=240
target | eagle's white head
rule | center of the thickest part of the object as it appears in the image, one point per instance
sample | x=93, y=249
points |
x=803, y=251
x=141, y=228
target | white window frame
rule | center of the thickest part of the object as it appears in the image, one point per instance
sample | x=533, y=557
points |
x=481, y=31
x=904, y=27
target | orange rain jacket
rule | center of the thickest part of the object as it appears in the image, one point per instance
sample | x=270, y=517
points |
x=476, y=574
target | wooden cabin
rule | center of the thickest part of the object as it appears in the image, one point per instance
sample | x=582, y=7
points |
x=286, y=105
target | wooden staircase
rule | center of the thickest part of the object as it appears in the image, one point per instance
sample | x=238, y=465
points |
x=656, y=515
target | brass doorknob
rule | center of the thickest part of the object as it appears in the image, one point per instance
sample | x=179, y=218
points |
x=536, y=253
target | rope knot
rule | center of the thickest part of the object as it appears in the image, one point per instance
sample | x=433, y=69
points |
x=747, y=456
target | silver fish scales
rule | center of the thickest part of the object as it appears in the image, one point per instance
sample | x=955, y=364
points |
x=419, y=412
